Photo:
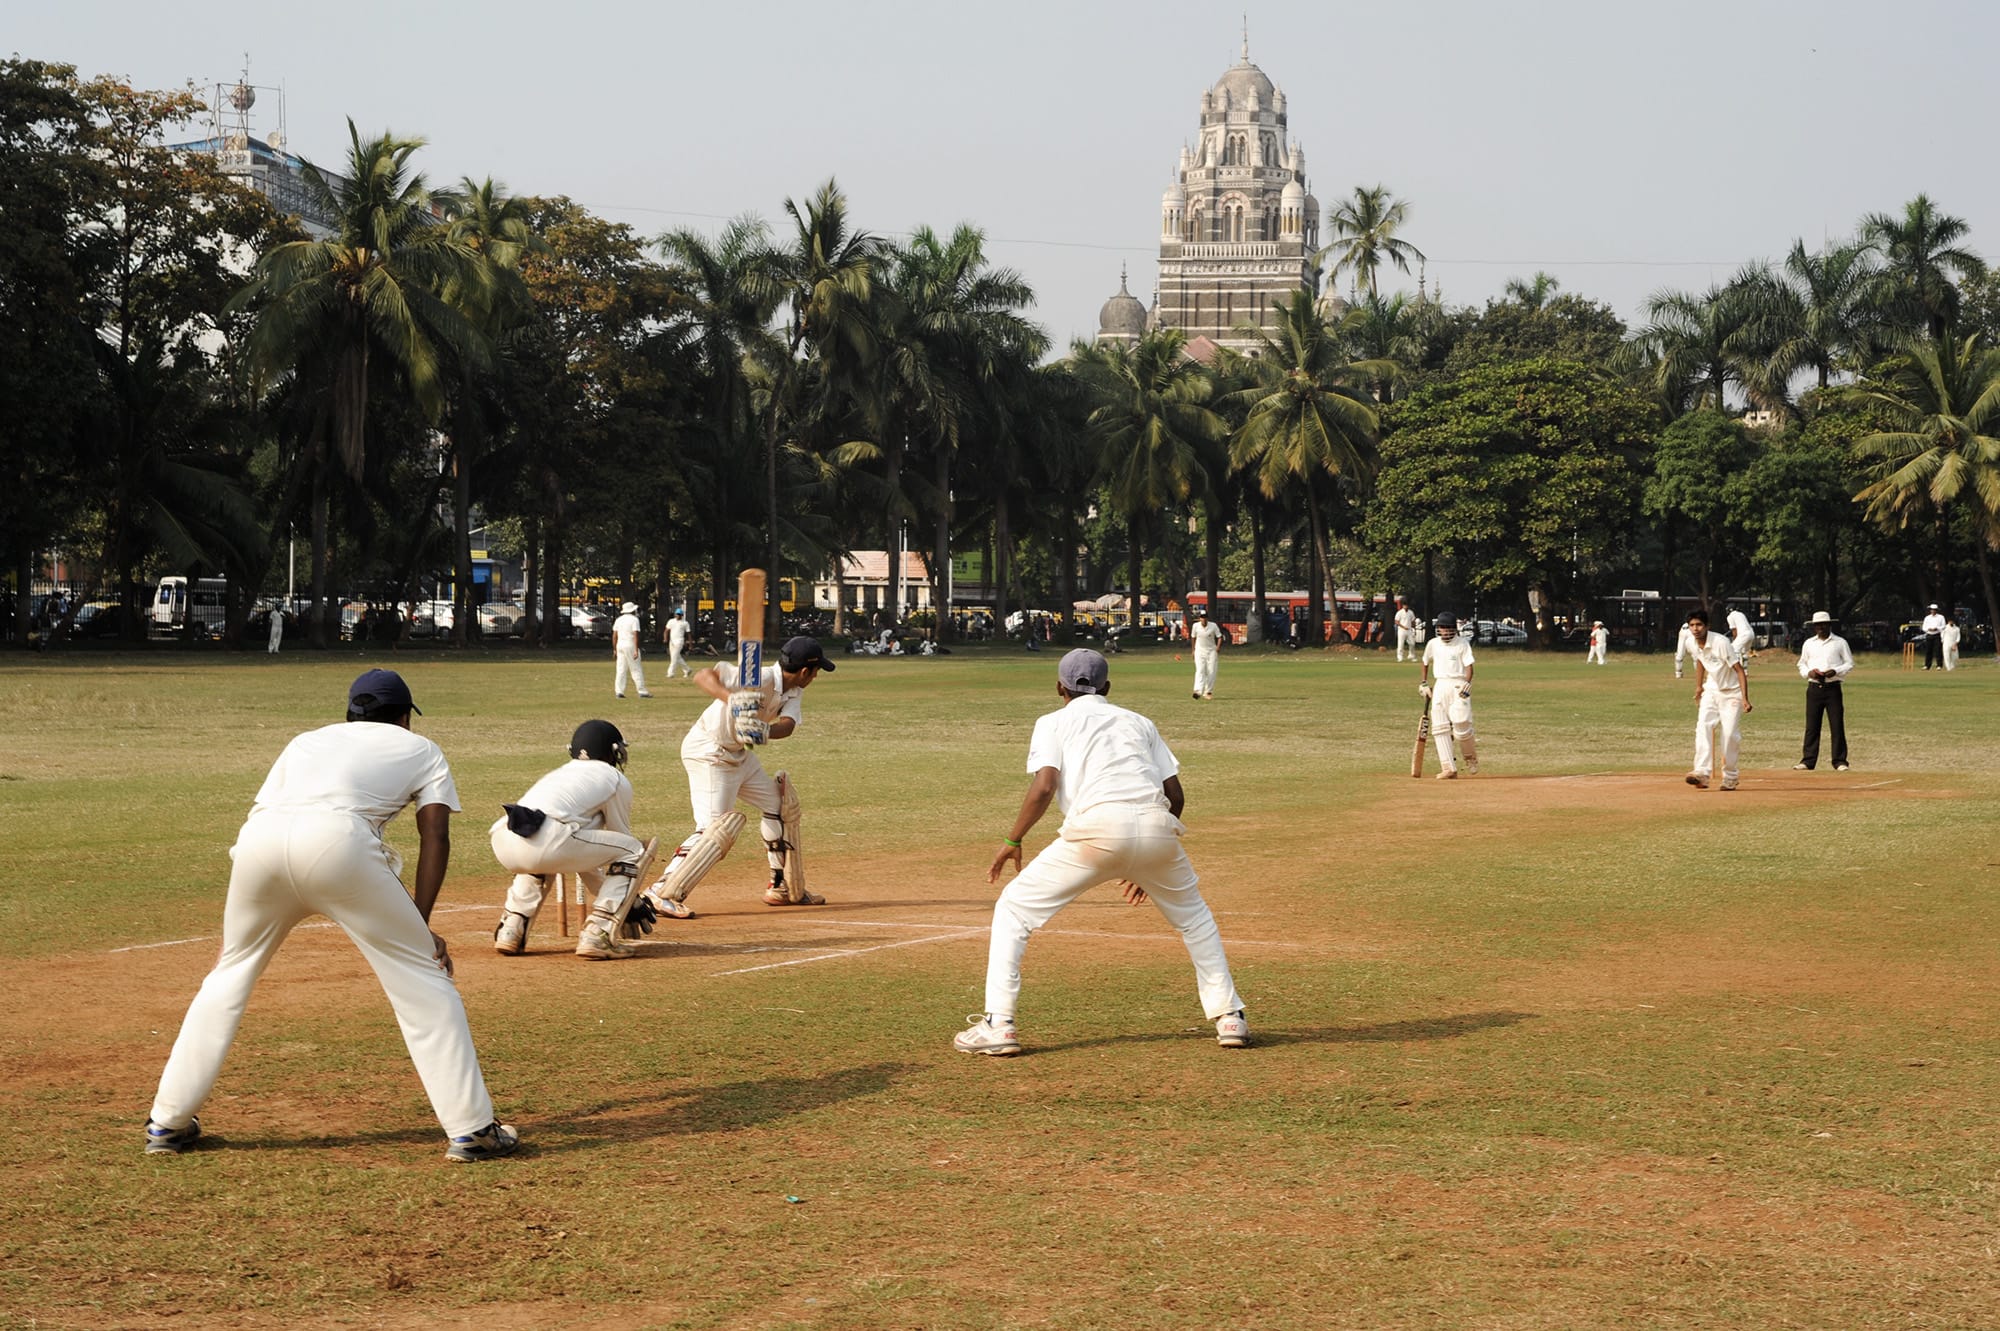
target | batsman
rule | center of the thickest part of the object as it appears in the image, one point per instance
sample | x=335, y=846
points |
x=753, y=705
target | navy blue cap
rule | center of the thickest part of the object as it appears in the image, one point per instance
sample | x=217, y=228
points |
x=377, y=689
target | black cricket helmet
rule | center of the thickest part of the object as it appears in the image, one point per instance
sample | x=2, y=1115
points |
x=599, y=740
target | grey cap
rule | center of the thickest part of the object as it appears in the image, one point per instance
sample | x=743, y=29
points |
x=1084, y=671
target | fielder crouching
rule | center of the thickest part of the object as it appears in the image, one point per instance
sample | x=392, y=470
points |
x=719, y=754
x=577, y=819
x=1119, y=788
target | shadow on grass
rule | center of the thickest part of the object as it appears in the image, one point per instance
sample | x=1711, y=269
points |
x=725, y=1108
x=1388, y=1032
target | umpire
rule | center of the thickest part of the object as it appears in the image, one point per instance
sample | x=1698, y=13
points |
x=1824, y=661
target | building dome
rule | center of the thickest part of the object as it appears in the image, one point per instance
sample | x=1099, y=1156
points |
x=1293, y=195
x=1123, y=318
x=1242, y=82
x=1174, y=195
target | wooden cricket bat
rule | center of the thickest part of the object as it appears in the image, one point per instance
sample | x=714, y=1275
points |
x=1423, y=738
x=750, y=584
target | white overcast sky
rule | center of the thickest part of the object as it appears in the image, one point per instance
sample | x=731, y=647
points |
x=1622, y=145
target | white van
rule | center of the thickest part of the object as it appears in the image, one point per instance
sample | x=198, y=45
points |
x=173, y=605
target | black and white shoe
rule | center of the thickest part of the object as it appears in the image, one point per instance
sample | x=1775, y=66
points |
x=171, y=1141
x=489, y=1143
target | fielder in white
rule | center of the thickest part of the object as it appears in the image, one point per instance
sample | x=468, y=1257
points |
x=722, y=768
x=1207, y=640
x=1683, y=649
x=1409, y=633
x=1722, y=698
x=625, y=646
x=1949, y=636
x=677, y=641
x=1741, y=635
x=1449, y=661
x=1119, y=788
x=577, y=819
x=1600, y=640
x=277, y=629
x=313, y=846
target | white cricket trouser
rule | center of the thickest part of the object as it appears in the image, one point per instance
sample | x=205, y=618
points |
x=1451, y=722
x=1407, y=648
x=292, y=865
x=277, y=633
x=1595, y=654
x=714, y=789
x=1204, y=671
x=560, y=847
x=677, y=661
x=1119, y=842
x=1743, y=641
x=628, y=664
x=1724, y=710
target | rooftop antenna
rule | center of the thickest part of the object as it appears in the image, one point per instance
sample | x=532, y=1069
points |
x=1246, y=37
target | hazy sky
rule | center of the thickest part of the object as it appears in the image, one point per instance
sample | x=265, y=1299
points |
x=1622, y=146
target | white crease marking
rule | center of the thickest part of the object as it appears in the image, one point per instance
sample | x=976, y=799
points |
x=316, y=924
x=853, y=952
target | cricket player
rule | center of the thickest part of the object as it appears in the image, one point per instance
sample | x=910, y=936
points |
x=677, y=641
x=1683, y=648
x=1741, y=635
x=722, y=767
x=1824, y=660
x=1600, y=639
x=1408, y=632
x=313, y=846
x=1722, y=698
x=277, y=629
x=577, y=819
x=1449, y=661
x=1207, y=640
x=1119, y=789
x=625, y=646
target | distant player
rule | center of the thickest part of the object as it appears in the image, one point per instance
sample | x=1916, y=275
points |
x=1207, y=640
x=1722, y=698
x=1934, y=639
x=1449, y=661
x=722, y=768
x=625, y=647
x=1409, y=634
x=277, y=629
x=1741, y=635
x=577, y=819
x=1600, y=640
x=1683, y=648
x=677, y=641
x=1119, y=788
x=313, y=846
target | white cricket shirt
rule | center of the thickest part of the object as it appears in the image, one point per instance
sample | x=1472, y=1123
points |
x=1207, y=639
x=677, y=633
x=625, y=633
x=712, y=738
x=1449, y=660
x=366, y=768
x=1719, y=657
x=1103, y=754
x=585, y=792
x=1828, y=653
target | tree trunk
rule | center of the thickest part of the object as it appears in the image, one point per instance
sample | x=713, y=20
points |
x=461, y=545
x=1132, y=570
x=323, y=625
x=892, y=531
x=552, y=547
x=1323, y=555
x=779, y=391
x=1260, y=608
x=839, y=594
x=1068, y=579
x=941, y=564
x=531, y=560
x=1315, y=610
x=1211, y=565
x=1003, y=557
x=1986, y=584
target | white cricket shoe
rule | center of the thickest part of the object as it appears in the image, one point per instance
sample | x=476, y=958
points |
x=1697, y=780
x=667, y=906
x=776, y=896
x=511, y=938
x=1729, y=783
x=598, y=942
x=1472, y=767
x=987, y=1035
x=1448, y=774
x=1232, y=1031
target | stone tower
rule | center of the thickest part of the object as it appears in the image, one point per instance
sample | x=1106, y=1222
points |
x=1239, y=224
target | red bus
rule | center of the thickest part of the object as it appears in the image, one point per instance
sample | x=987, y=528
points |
x=1232, y=612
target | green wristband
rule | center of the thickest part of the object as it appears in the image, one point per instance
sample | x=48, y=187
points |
x=1012, y=842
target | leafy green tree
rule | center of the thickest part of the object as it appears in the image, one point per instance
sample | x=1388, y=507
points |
x=1923, y=260
x=1693, y=346
x=1364, y=230
x=391, y=283
x=1942, y=452
x=1561, y=327
x=1525, y=475
x=1793, y=501
x=1694, y=460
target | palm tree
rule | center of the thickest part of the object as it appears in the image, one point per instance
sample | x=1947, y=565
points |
x=1812, y=314
x=1151, y=421
x=825, y=281
x=1921, y=257
x=392, y=282
x=1945, y=453
x=1364, y=235
x=1694, y=346
x=1308, y=416
x=1533, y=293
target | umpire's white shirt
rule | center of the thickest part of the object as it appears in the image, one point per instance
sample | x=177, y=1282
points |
x=369, y=769
x=585, y=793
x=712, y=738
x=1449, y=660
x=1103, y=755
x=1719, y=658
x=1828, y=653
x=625, y=634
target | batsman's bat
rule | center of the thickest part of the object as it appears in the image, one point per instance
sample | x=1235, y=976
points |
x=747, y=696
x=1423, y=738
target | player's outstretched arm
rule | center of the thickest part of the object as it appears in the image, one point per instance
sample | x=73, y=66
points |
x=1041, y=790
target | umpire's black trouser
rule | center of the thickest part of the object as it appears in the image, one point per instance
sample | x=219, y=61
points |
x=1824, y=700
x=1933, y=650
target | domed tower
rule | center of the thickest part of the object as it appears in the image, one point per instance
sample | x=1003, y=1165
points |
x=1123, y=319
x=1239, y=223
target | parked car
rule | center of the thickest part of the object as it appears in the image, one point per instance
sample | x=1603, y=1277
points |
x=1489, y=633
x=590, y=621
x=500, y=619
x=100, y=619
x=1774, y=634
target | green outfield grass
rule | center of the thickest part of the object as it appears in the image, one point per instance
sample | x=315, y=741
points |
x=1565, y=1045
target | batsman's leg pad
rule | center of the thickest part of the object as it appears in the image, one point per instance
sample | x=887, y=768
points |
x=698, y=854
x=788, y=866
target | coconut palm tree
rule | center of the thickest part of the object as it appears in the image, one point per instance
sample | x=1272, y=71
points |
x=1308, y=415
x=392, y=282
x=1693, y=345
x=1945, y=454
x=1922, y=262
x=1533, y=293
x=1364, y=235
x=1812, y=314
